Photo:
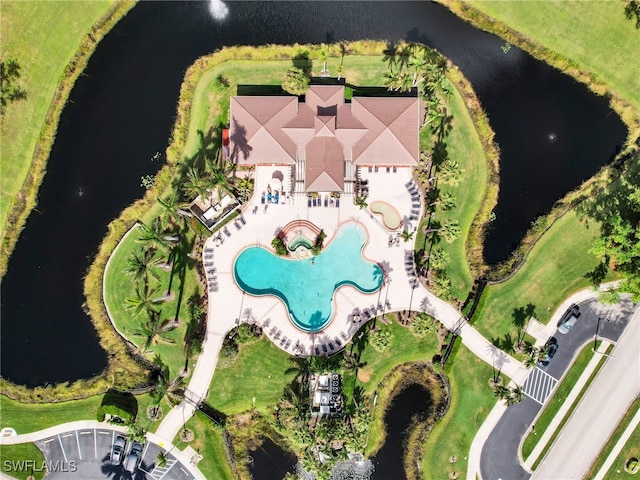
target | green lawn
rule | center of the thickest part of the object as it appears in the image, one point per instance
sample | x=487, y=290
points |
x=471, y=401
x=557, y=400
x=554, y=269
x=257, y=372
x=42, y=36
x=12, y=454
x=208, y=442
x=594, y=34
x=464, y=147
x=119, y=286
x=31, y=417
x=404, y=347
x=630, y=450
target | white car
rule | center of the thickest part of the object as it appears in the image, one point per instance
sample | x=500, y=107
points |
x=569, y=319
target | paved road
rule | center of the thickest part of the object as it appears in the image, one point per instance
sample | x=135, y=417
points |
x=500, y=457
x=597, y=415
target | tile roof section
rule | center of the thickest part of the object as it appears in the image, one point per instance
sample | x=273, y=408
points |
x=367, y=131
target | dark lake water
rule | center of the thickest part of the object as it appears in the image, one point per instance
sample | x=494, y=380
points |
x=270, y=462
x=413, y=400
x=553, y=134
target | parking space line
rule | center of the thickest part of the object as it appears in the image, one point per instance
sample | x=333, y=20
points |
x=78, y=442
x=63, y=452
x=168, y=468
x=146, y=446
x=50, y=440
x=67, y=435
x=95, y=443
x=103, y=433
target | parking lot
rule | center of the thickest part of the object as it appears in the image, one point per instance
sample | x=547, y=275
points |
x=86, y=455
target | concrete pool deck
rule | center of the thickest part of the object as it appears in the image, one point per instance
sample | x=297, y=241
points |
x=229, y=306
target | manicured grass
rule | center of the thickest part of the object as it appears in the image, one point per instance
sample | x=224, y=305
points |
x=631, y=449
x=12, y=455
x=31, y=417
x=42, y=36
x=119, y=286
x=257, y=372
x=26, y=418
x=208, y=442
x=557, y=400
x=554, y=269
x=471, y=401
x=464, y=147
x=404, y=347
x=594, y=34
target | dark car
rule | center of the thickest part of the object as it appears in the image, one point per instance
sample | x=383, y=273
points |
x=117, y=450
x=133, y=458
x=569, y=319
x=550, y=349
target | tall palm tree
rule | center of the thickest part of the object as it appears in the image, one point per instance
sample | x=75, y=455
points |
x=144, y=300
x=449, y=172
x=361, y=202
x=172, y=211
x=501, y=392
x=153, y=235
x=140, y=263
x=449, y=230
x=406, y=235
x=517, y=394
x=438, y=259
x=195, y=185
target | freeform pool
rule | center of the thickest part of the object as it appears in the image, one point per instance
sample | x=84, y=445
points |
x=307, y=286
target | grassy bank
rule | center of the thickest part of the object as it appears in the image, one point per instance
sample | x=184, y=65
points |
x=554, y=269
x=52, y=42
x=572, y=37
x=120, y=286
x=208, y=441
x=13, y=454
x=471, y=401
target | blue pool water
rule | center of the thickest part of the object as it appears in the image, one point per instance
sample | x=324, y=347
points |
x=307, y=286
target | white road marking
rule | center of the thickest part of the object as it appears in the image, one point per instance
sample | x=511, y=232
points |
x=78, y=442
x=47, y=441
x=95, y=444
x=63, y=452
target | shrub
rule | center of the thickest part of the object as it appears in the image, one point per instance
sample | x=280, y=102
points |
x=421, y=325
x=295, y=81
x=117, y=414
x=380, y=339
x=279, y=246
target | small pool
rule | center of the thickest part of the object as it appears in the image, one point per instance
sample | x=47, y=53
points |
x=307, y=286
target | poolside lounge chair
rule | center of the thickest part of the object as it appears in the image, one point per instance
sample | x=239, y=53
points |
x=314, y=202
x=331, y=346
x=326, y=202
x=262, y=198
x=324, y=348
x=338, y=342
x=308, y=202
x=343, y=335
x=226, y=232
x=337, y=202
x=317, y=351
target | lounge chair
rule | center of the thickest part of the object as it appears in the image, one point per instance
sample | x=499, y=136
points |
x=331, y=346
x=262, y=198
x=317, y=351
x=338, y=342
x=314, y=202
x=324, y=348
x=344, y=336
x=337, y=202
x=326, y=202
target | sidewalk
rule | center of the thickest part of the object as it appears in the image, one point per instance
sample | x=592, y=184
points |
x=622, y=441
x=566, y=405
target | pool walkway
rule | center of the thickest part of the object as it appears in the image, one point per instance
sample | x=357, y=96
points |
x=229, y=305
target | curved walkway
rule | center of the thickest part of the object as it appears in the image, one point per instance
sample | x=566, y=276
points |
x=229, y=305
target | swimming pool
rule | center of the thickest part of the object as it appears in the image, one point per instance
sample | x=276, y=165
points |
x=307, y=286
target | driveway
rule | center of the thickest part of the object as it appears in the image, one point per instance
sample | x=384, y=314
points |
x=86, y=455
x=500, y=454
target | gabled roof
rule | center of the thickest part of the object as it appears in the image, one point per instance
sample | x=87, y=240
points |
x=325, y=165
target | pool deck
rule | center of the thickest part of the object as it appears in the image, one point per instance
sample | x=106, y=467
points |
x=229, y=305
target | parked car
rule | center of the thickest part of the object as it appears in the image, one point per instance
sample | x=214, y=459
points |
x=551, y=347
x=117, y=450
x=133, y=458
x=569, y=319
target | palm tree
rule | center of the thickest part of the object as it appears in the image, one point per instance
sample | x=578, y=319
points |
x=501, y=392
x=244, y=188
x=406, y=235
x=450, y=172
x=449, y=230
x=140, y=263
x=438, y=259
x=144, y=299
x=149, y=330
x=153, y=236
x=361, y=202
x=517, y=394
x=220, y=173
x=172, y=211
x=418, y=63
x=195, y=185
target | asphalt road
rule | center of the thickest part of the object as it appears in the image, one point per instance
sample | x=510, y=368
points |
x=499, y=458
x=597, y=415
x=86, y=455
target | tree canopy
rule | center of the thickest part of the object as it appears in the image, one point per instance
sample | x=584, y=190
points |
x=9, y=74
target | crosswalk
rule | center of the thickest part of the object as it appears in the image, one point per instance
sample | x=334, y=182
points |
x=539, y=385
x=159, y=472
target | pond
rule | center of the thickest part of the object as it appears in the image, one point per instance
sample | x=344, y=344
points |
x=553, y=134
